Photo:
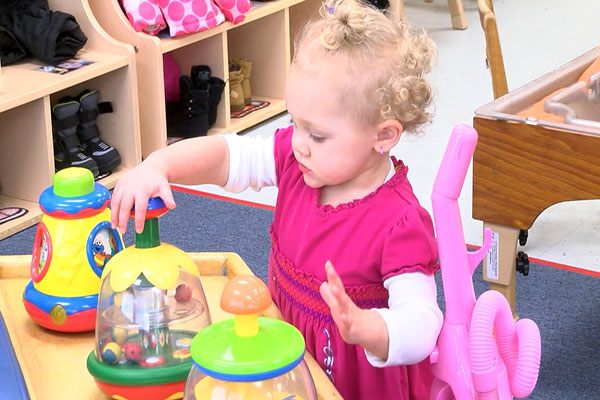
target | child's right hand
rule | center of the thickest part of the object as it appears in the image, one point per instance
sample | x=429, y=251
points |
x=148, y=179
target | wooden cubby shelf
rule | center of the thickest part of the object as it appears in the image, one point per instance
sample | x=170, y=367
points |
x=127, y=69
x=26, y=99
x=21, y=83
x=263, y=37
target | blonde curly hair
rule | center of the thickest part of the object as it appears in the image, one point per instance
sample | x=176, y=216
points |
x=385, y=62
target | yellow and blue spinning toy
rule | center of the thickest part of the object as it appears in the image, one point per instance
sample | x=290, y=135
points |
x=73, y=243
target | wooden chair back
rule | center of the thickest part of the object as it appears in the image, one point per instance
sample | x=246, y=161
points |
x=493, y=49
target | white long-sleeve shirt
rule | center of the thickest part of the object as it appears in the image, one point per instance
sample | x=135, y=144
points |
x=413, y=318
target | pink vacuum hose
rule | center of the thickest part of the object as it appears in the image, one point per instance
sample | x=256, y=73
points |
x=518, y=344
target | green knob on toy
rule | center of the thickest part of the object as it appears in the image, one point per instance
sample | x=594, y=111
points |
x=73, y=182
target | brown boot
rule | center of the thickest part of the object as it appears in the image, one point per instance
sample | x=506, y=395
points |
x=236, y=92
x=246, y=71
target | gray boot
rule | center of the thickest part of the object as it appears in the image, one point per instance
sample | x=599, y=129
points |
x=106, y=156
x=67, y=147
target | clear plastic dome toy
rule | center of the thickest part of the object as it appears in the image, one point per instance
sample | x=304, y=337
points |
x=150, y=306
x=248, y=357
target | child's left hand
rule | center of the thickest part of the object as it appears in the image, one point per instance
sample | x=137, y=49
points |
x=347, y=316
x=357, y=326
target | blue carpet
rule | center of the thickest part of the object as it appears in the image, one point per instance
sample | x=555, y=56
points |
x=564, y=304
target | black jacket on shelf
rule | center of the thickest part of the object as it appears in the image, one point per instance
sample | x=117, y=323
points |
x=30, y=28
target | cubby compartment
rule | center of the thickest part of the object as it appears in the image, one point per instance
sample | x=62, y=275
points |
x=115, y=128
x=264, y=37
x=26, y=97
x=210, y=52
x=25, y=161
x=266, y=44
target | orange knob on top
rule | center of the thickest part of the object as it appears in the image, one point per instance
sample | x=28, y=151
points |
x=245, y=296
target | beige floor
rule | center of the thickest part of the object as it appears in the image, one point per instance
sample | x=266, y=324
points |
x=537, y=36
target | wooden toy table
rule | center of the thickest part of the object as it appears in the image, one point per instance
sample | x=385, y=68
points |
x=523, y=165
x=54, y=363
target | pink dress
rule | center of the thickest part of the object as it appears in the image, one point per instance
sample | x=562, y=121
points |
x=368, y=240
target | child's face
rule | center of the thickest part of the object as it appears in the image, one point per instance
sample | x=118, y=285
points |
x=331, y=147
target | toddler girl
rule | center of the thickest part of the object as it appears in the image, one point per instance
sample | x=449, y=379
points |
x=353, y=253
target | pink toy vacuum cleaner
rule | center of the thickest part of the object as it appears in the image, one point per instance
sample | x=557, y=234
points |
x=481, y=353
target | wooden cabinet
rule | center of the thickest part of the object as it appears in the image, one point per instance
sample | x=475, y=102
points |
x=264, y=38
x=26, y=98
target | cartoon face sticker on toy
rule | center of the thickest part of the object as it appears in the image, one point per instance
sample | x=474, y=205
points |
x=103, y=247
x=103, y=243
x=41, y=254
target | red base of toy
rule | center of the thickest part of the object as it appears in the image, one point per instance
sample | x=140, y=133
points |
x=167, y=391
x=83, y=321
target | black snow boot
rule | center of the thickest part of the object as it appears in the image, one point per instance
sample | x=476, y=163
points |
x=67, y=152
x=190, y=119
x=106, y=156
x=202, y=79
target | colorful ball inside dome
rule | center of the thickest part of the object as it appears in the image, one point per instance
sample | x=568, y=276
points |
x=133, y=352
x=183, y=293
x=111, y=353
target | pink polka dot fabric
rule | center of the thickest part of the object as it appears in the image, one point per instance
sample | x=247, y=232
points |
x=183, y=16
x=187, y=16
x=144, y=15
x=234, y=10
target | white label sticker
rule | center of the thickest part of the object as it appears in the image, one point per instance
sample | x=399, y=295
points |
x=492, y=258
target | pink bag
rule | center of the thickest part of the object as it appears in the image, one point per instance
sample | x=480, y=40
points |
x=144, y=15
x=187, y=16
x=234, y=10
x=171, y=75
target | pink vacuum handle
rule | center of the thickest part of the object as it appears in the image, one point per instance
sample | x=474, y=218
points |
x=456, y=269
x=455, y=163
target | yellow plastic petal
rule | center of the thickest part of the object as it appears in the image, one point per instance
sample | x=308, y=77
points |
x=160, y=265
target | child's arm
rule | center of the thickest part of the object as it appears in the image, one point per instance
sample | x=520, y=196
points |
x=251, y=162
x=192, y=161
x=413, y=319
x=357, y=326
x=403, y=334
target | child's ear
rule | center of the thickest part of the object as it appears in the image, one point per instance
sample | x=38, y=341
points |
x=388, y=135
